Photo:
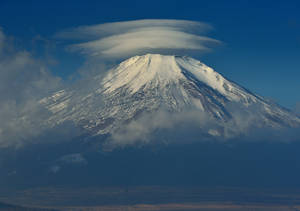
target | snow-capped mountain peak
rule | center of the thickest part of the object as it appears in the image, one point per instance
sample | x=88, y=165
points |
x=143, y=71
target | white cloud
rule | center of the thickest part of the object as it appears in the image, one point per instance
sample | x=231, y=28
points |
x=54, y=169
x=123, y=39
x=182, y=127
x=76, y=158
x=23, y=81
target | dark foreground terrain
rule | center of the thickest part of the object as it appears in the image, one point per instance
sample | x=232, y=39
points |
x=262, y=176
x=10, y=207
x=150, y=198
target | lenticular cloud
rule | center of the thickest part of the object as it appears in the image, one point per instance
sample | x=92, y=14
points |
x=123, y=39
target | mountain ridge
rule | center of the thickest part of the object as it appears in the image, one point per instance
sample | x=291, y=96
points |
x=151, y=82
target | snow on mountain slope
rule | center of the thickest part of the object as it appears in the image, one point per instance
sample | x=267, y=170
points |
x=151, y=82
x=158, y=70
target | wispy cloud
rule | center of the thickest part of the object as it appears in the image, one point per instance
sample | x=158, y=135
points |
x=123, y=39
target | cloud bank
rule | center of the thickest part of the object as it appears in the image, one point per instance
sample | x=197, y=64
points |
x=124, y=39
x=194, y=125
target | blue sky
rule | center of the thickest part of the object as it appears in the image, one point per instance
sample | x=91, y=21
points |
x=261, y=39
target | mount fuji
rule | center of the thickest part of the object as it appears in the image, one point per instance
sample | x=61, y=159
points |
x=156, y=119
x=146, y=84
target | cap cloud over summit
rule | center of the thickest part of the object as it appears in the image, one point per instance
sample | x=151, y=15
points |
x=129, y=38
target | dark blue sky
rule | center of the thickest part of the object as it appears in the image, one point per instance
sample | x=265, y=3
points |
x=261, y=49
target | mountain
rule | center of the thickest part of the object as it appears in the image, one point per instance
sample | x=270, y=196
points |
x=152, y=82
x=153, y=95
